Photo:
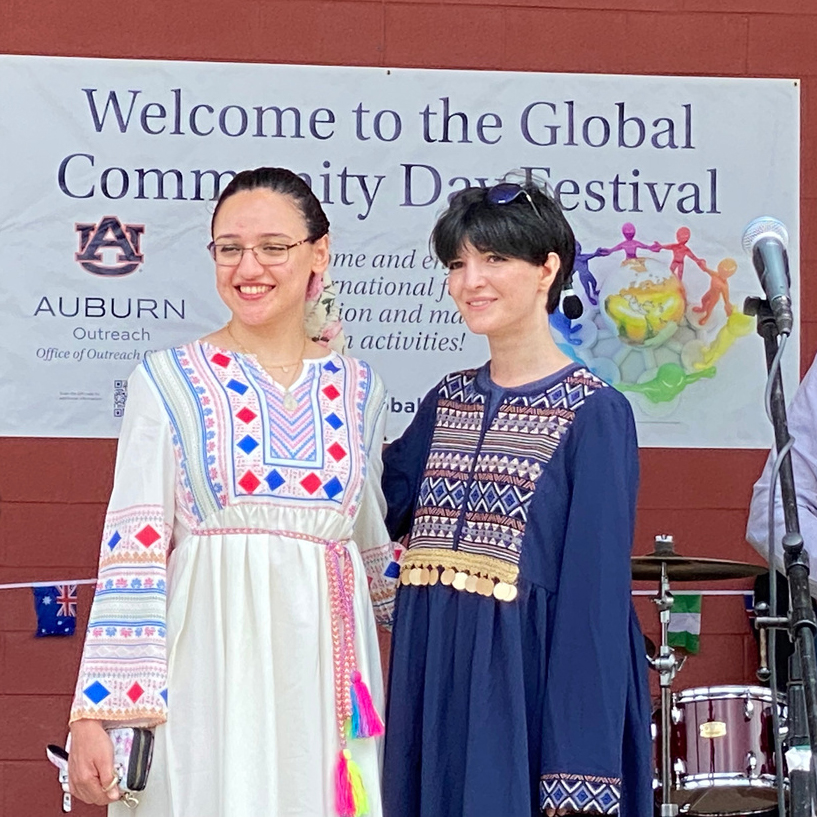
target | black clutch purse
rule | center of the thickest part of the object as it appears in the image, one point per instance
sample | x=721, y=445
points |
x=132, y=755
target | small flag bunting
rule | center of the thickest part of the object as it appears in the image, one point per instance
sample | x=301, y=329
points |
x=56, y=608
x=685, y=623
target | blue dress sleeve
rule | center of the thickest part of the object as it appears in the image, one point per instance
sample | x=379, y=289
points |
x=589, y=662
x=403, y=465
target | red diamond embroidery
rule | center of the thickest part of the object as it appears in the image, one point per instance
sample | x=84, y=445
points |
x=311, y=483
x=246, y=415
x=331, y=392
x=135, y=692
x=249, y=482
x=220, y=360
x=147, y=536
x=337, y=451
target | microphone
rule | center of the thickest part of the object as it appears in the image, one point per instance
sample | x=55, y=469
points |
x=766, y=241
x=571, y=304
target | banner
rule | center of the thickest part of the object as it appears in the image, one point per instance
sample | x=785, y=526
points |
x=110, y=168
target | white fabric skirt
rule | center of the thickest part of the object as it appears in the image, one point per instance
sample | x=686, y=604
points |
x=252, y=730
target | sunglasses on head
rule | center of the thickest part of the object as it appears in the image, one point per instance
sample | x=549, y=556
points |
x=507, y=192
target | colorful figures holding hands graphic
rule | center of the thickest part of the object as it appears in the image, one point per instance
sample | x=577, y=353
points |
x=630, y=246
x=680, y=251
x=737, y=326
x=669, y=381
x=718, y=288
x=588, y=280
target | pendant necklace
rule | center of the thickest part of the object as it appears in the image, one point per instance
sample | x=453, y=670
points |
x=290, y=403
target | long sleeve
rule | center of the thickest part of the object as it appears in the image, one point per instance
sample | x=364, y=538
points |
x=802, y=415
x=403, y=464
x=370, y=531
x=123, y=674
x=589, y=665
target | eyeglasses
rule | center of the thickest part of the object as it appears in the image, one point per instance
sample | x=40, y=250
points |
x=506, y=192
x=268, y=253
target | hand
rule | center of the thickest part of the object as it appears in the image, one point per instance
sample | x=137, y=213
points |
x=90, y=764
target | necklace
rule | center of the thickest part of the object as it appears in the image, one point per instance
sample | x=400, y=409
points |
x=290, y=403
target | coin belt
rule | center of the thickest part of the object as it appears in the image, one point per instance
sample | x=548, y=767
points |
x=469, y=572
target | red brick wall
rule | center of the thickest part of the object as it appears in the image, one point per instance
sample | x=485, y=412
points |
x=52, y=492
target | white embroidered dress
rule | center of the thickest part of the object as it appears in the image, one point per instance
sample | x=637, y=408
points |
x=212, y=614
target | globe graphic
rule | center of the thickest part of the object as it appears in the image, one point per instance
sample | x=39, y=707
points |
x=641, y=301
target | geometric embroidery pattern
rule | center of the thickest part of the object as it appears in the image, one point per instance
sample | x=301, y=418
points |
x=124, y=662
x=480, y=475
x=233, y=444
x=560, y=793
x=311, y=454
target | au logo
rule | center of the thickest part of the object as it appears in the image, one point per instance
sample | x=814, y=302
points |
x=110, y=234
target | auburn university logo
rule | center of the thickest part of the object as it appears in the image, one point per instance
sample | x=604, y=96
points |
x=110, y=234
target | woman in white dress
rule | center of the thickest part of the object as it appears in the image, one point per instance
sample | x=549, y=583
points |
x=244, y=555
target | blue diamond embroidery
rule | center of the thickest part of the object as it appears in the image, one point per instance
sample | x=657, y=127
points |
x=114, y=540
x=333, y=487
x=96, y=692
x=247, y=445
x=330, y=367
x=334, y=421
x=163, y=693
x=236, y=386
x=274, y=480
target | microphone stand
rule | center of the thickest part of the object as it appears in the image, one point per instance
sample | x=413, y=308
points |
x=801, y=622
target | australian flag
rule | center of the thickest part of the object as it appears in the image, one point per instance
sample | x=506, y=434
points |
x=56, y=608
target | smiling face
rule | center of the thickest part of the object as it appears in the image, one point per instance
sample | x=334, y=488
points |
x=498, y=296
x=258, y=294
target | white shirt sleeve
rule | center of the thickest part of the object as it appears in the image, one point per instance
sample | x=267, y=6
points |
x=802, y=416
x=370, y=533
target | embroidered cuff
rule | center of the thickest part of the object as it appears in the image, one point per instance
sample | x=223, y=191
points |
x=382, y=571
x=559, y=793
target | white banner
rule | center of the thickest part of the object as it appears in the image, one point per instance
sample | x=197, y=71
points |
x=109, y=168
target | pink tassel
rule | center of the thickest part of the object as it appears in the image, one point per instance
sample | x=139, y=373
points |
x=344, y=796
x=366, y=723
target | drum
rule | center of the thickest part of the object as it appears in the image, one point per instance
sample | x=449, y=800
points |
x=722, y=749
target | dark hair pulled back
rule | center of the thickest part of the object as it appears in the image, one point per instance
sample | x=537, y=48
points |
x=283, y=181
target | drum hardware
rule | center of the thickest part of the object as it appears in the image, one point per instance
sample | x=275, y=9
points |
x=751, y=764
x=667, y=666
x=724, y=761
x=727, y=770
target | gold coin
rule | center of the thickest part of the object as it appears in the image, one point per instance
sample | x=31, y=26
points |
x=433, y=576
x=471, y=584
x=512, y=593
x=414, y=576
x=485, y=587
x=404, y=577
x=459, y=581
x=500, y=590
x=448, y=576
x=424, y=574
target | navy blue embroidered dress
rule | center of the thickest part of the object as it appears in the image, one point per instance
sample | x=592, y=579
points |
x=518, y=676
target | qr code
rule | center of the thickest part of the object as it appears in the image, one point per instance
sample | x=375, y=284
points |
x=120, y=396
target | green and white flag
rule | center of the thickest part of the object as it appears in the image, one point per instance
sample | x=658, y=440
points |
x=685, y=623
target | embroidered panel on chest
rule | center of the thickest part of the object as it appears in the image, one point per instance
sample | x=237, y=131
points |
x=514, y=453
x=258, y=448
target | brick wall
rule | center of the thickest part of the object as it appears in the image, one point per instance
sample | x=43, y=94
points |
x=52, y=492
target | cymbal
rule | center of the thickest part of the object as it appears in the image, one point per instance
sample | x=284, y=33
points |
x=691, y=569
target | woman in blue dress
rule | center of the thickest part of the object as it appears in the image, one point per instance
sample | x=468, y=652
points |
x=518, y=677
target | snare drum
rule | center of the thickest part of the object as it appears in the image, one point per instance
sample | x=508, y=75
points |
x=722, y=749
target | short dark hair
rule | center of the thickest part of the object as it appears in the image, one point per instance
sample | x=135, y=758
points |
x=283, y=181
x=512, y=230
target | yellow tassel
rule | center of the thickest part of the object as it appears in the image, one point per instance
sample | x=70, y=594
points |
x=358, y=789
